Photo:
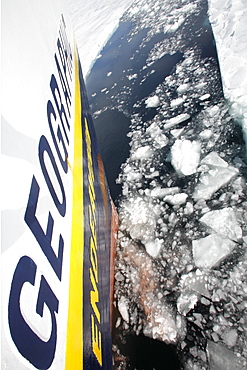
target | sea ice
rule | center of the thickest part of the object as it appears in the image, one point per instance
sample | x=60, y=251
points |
x=174, y=121
x=229, y=23
x=212, y=249
x=94, y=21
x=153, y=247
x=222, y=358
x=161, y=325
x=185, y=156
x=186, y=301
x=214, y=160
x=204, y=97
x=152, y=102
x=195, y=281
x=230, y=337
x=142, y=153
x=176, y=199
x=123, y=308
x=173, y=27
x=223, y=222
x=159, y=192
x=218, y=174
x=147, y=218
x=206, y=134
x=176, y=102
x=159, y=138
x=177, y=132
x=182, y=88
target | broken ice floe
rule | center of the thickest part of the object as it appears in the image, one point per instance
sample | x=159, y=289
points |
x=175, y=266
x=142, y=153
x=152, y=102
x=217, y=173
x=176, y=120
x=223, y=222
x=176, y=199
x=196, y=281
x=186, y=301
x=153, y=247
x=123, y=308
x=212, y=249
x=159, y=138
x=222, y=358
x=185, y=156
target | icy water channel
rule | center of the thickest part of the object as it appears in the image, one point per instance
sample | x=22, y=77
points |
x=168, y=140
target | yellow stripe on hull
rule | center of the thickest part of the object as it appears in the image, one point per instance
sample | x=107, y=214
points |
x=74, y=346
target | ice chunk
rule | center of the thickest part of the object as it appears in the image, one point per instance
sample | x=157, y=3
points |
x=152, y=102
x=222, y=358
x=161, y=325
x=170, y=28
x=159, y=192
x=160, y=141
x=182, y=88
x=131, y=77
x=195, y=281
x=123, y=308
x=186, y=301
x=176, y=120
x=133, y=176
x=176, y=199
x=188, y=209
x=212, y=181
x=177, y=132
x=142, y=153
x=153, y=247
x=213, y=159
x=219, y=173
x=204, y=97
x=213, y=111
x=224, y=222
x=230, y=337
x=206, y=134
x=159, y=138
x=205, y=301
x=185, y=156
x=212, y=249
x=176, y=102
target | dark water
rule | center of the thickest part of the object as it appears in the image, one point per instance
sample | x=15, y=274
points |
x=145, y=353
x=112, y=127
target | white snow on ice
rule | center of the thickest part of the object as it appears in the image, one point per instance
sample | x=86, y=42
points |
x=94, y=22
x=229, y=22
